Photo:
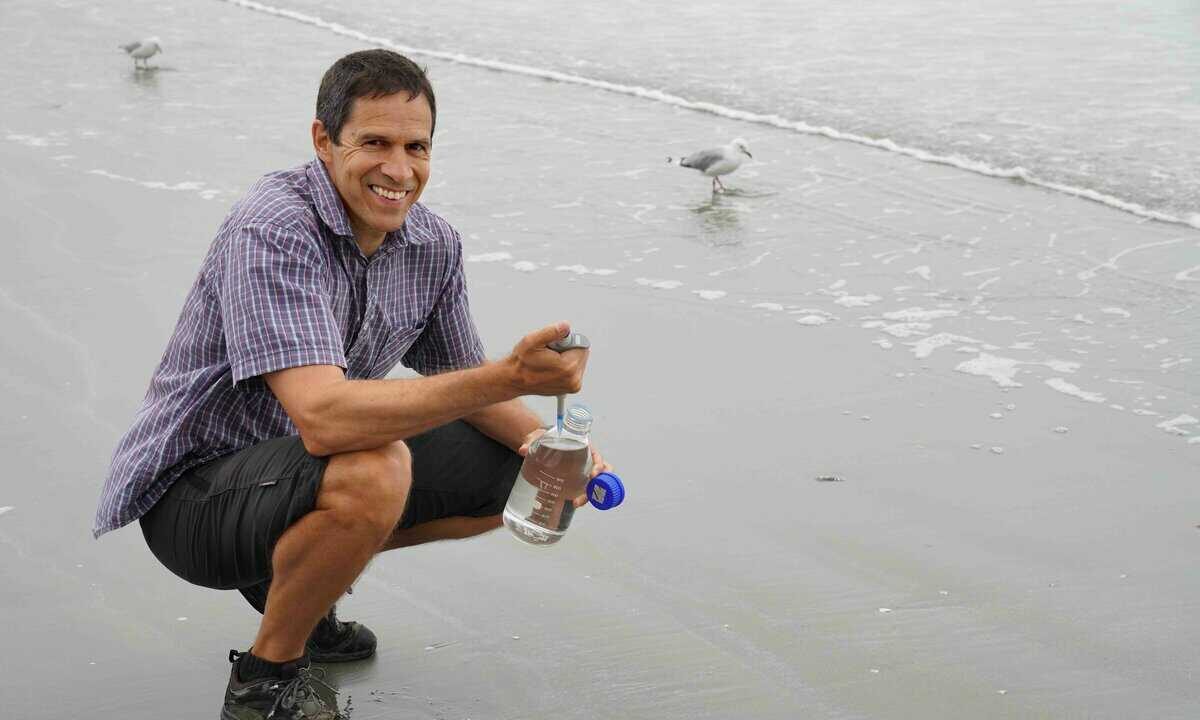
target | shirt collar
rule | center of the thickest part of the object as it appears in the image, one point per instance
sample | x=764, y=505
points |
x=333, y=211
x=326, y=199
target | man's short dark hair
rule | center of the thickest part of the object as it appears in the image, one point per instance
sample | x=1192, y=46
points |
x=370, y=74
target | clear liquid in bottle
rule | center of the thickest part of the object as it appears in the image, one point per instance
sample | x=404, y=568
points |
x=554, y=473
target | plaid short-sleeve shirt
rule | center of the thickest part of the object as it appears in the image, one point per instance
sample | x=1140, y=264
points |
x=284, y=285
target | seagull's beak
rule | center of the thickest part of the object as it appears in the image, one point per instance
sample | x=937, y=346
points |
x=748, y=153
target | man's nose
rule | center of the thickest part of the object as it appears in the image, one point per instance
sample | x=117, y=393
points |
x=398, y=167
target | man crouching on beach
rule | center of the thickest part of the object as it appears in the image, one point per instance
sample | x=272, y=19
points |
x=269, y=454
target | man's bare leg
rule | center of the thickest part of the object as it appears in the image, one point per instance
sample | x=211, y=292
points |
x=451, y=528
x=361, y=499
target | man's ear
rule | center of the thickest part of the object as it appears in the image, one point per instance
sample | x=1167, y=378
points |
x=322, y=143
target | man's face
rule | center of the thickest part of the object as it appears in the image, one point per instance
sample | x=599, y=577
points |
x=381, y=164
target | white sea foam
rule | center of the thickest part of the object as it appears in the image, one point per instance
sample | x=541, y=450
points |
x=812, y=320
x=584, y=270
x=35, y=141
x=1116, y=311
x=900, y=330
x=921, y=271
x=750, y=264
x=5, y=509
x=490, y=257
x=916, y=314
x=187, y=186
x=1000, y=369
x=524, y=266
x=774, y=307
x=1063, y=366
x=973, y=273
x=773, y=120
x=1111, y=263
x=710, y=294
x=1175, y=425
x=857, y=300
x=1068, y=389
x=658, y=284
x=924, y=347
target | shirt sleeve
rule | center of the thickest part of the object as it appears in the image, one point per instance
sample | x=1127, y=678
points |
x=275, y=308
x=450, y=340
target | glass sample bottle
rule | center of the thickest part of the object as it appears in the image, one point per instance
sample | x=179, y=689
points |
x=554, y=473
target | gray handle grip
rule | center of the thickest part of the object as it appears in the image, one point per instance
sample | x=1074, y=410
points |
x=570, y=342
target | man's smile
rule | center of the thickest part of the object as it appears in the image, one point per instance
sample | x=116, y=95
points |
x=388, y=194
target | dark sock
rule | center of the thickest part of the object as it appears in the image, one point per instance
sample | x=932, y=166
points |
x=252, y=667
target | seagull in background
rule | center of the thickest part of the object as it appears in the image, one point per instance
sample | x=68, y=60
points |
x=715, y=162
x=143, y=50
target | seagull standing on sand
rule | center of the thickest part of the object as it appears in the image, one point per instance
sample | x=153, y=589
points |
x=715, y=162
x=143, y=50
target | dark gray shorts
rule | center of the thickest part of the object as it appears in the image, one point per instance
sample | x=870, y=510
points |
x=218, y=524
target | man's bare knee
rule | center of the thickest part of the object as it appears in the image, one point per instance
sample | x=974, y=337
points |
x=368, y=486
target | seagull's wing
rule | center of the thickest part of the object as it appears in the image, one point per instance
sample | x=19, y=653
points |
x=130, y=47
x=146, y=50
x=704, y=159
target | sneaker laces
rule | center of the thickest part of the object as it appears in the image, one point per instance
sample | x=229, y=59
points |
x=299, y=694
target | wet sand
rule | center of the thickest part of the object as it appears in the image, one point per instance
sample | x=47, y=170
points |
x=1053, y=577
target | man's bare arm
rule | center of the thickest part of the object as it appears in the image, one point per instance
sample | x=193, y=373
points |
x=508, y=423
x=337, y=415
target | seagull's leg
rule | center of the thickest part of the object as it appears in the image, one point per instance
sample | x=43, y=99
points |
x=717, y=180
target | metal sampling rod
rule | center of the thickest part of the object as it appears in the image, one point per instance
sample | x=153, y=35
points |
x=570, y=342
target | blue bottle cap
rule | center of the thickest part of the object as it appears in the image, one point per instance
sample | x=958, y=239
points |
x=605, y=491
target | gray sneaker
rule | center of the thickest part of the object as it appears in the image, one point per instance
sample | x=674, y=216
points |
x=300, y=695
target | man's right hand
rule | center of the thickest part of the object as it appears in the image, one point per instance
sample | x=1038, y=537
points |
x=538, y=370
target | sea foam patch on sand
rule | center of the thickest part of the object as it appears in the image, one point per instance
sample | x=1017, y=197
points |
x=1067, y=388
x=1176, y=425
x=489, y=257
x=658, y=284
x=584, y=270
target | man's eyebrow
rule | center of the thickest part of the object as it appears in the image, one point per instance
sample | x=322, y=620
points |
x=367, y=135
